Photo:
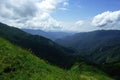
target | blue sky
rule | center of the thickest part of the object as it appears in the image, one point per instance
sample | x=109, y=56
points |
x=61, y=15
x=85, y=9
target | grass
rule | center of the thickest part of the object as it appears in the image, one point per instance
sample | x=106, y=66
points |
x=19, y=64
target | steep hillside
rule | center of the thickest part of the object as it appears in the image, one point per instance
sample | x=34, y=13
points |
x=106, y=54
x=42, y=47
x=109, y=58
x=16, y=63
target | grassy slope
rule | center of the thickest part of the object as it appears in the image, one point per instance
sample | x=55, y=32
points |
x=40, y=46
x=18, y=64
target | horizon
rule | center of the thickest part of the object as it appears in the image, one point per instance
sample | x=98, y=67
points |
x=74, y=32
x=61, y=15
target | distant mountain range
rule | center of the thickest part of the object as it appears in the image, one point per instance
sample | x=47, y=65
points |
x=99, y=44
x=50, y=35
x=88, y=40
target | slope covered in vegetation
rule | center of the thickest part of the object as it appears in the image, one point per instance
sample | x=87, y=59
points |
x=42, y=47
x=16, y=63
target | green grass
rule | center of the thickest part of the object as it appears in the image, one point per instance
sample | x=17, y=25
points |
x=19, y=64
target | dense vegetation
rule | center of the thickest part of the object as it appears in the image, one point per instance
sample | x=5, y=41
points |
x=19, y=64
x=101, y=48
x=109, y=57
x=51, y=51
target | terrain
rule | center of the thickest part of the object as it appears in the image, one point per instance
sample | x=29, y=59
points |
x=83, y=56
x=17, y=63
x=51, y=51
x=101, y=48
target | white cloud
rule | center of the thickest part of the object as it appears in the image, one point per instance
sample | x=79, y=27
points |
x=30, y=13
x=80, y=23
x=107, y=19
x=36, y=14
x=48, y=5
x=78, y=26
x=82, y=26
x=45, y=20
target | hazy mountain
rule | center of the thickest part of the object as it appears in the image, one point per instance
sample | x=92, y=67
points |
x=99, y=44
x=51, y=35
x=87, y=41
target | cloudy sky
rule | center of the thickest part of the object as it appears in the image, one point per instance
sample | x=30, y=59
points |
x=61, y=15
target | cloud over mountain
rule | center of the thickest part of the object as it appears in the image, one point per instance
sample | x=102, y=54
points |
x=29, y=13
x=107, y=19
x=55, y=15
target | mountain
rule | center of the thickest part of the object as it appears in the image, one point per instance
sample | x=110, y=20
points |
x=42, y=47
x=101, y=43
x=88, y=41
x=101, y=48
x=50, y=35
x=17, y=63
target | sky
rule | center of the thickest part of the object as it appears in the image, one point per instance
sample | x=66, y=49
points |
x=61, y=15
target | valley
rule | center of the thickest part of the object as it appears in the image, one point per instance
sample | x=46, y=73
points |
x=47, y=58
x=59, y=40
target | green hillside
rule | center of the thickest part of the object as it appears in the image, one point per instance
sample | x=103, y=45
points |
x=40, y=46
x=110, y=55
x=19, y=64
x=101, y=48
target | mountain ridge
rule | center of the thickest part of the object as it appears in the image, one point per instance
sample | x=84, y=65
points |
x=80, y=40
x=50, y=35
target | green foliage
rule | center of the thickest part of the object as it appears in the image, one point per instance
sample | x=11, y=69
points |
x=19, y=64
x=101, y=48
x=108, y=59
x=40, y=46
